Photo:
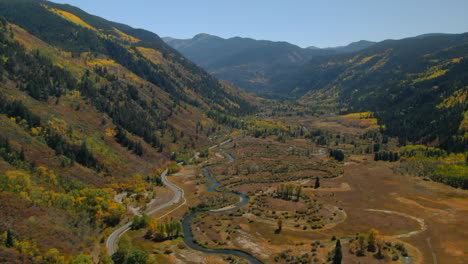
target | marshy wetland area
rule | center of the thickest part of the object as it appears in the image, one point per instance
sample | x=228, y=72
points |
x=302, y=197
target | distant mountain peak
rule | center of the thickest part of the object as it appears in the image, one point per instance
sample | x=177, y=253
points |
x=352, y=47
x=359, y=45
x=432, y=35
x=233, y=58
x=203, y=36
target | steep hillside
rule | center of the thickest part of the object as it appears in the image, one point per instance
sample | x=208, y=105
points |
x=90, y=108
x=416, y=87
x=248, y=63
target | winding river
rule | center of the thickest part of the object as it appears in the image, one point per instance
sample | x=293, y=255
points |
x=188, y=234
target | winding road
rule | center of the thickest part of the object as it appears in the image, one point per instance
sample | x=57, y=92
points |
x=221, y=144
x=111, y=242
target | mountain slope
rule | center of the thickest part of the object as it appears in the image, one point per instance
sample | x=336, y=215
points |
x=248, y=63
x=417, y=87
x=353, y=47
x=65, y=30
x=90, y=108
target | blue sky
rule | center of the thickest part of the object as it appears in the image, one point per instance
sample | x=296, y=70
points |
x=322, y=23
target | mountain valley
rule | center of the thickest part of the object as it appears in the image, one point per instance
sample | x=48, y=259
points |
x=116, y=148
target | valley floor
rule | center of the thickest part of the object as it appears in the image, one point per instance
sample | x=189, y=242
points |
x=427, y=219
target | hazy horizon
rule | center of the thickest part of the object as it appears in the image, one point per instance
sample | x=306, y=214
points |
x=342, y=45
x=304, y=23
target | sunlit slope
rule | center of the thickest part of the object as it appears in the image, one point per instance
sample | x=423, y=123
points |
x=416, y=87
x=90, y=108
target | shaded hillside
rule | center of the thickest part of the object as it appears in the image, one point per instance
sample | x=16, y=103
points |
x=90, y=108
x=416, y=87
x=248, y=63
x=353, y=47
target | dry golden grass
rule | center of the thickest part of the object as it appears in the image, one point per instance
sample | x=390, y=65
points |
x=365, y=185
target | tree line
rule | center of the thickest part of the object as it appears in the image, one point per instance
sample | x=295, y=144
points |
x=337, y=154
x=122, y=138
x=160, y=231
x=288, y=191
x=387, y=156
x=75, y=152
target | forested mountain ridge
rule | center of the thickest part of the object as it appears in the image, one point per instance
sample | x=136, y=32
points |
x=90, y=108
x=416, y=87
x=353, y=47
x=72, y=30
x=248, y=63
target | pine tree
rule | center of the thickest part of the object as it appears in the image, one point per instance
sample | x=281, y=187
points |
x=9, y=240
x=280, y=224
x=21, y=155
x=338, y=256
